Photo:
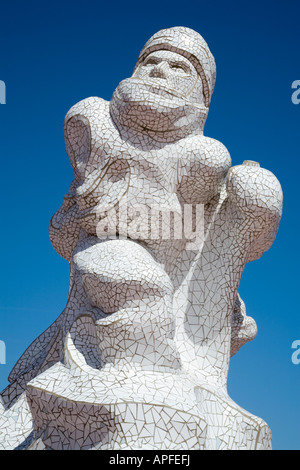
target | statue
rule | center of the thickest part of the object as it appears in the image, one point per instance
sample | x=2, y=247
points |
x=157, y=227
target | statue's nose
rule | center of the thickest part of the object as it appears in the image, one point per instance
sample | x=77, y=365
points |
x=159, y=71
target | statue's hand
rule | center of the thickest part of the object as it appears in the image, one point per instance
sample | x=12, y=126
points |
x=254, y=190
x=257, y=195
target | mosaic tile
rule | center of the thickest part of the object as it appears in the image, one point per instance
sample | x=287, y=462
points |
x=157, y=227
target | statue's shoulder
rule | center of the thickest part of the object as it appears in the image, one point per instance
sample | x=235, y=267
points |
x=89, y=108
x=83, y=122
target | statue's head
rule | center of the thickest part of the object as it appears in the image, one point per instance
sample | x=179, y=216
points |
x=171, y=86
x=183, y=57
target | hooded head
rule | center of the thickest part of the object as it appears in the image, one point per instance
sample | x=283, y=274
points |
x=189, y=44
x=169, y=93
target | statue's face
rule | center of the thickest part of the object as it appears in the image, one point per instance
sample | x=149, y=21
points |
x=164, y=98
x=172, y=71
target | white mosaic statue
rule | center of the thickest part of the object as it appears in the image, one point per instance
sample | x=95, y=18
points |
x=157, y=227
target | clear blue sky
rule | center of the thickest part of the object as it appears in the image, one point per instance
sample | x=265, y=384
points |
x=54, y=54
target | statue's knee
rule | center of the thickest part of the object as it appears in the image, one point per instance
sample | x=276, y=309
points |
x=118, y=273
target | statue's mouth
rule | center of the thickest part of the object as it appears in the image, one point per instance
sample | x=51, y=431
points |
x=156, y=86
x=151, y=106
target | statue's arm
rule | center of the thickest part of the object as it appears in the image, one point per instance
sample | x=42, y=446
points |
x=63, y=228
x=256, y=194
x=77, y=134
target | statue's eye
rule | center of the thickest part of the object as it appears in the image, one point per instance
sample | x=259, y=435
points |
x=178, y=68
x=150, y=62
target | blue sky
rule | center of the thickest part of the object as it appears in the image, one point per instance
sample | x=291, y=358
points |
x=54, y=54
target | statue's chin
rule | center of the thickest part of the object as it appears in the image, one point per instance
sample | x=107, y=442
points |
x=150, y=107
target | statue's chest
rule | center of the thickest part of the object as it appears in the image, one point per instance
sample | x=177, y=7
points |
x=116, y=158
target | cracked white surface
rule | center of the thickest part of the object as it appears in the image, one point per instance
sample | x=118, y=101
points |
x=157, y=227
